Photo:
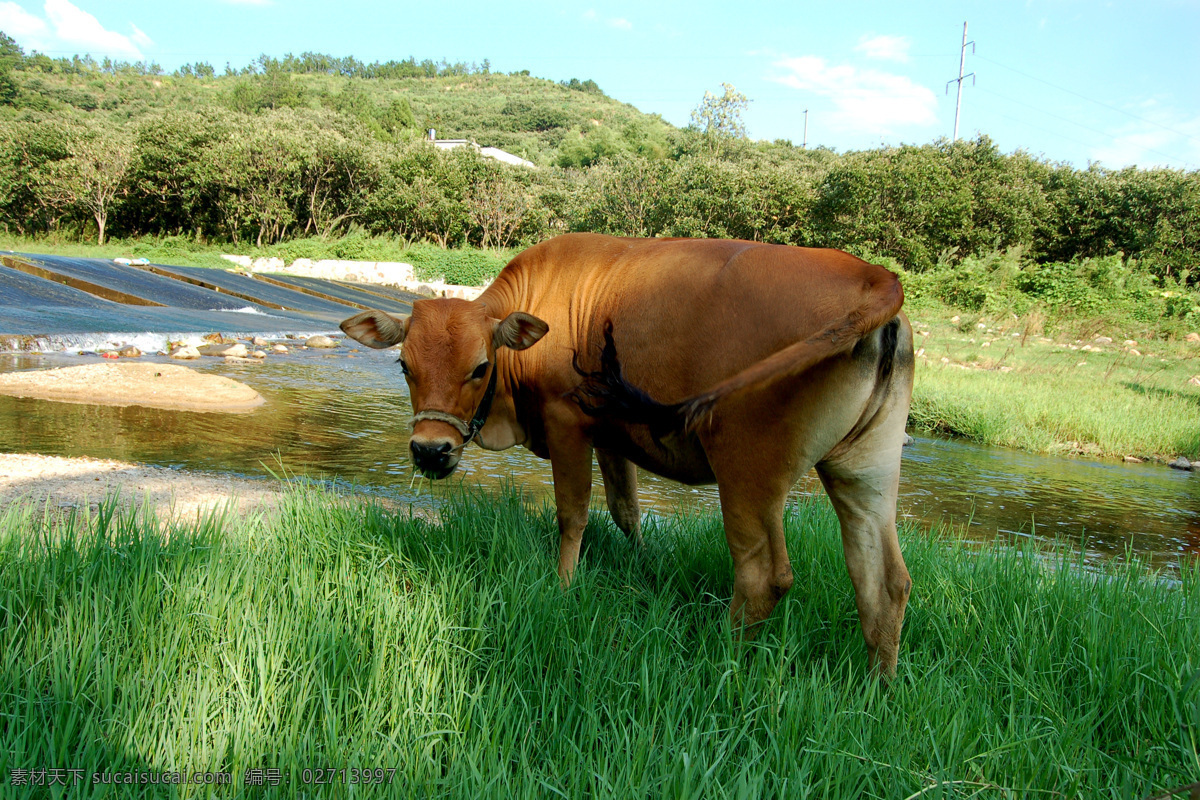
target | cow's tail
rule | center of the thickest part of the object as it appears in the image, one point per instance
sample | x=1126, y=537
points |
x=605, y=392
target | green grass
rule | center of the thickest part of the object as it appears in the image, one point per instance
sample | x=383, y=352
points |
x=330, y=634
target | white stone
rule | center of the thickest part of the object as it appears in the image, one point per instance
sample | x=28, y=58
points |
x=279, y=348
x=320, y=342
x=185, y=352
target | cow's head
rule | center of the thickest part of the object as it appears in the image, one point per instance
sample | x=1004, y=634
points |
x=449, y=362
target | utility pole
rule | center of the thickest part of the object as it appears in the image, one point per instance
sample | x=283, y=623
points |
x=962, y=62
x=804, y=144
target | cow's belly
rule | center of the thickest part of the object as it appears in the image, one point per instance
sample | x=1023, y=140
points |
x=680, y=458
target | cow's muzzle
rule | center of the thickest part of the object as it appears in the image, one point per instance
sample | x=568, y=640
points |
x=435, y=459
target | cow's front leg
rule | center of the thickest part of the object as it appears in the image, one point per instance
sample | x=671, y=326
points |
x=571, y=464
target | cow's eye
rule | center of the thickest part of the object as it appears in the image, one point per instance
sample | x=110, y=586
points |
x=403, y=366
x=480, y=371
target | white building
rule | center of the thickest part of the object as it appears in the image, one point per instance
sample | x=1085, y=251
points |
x=487, y=152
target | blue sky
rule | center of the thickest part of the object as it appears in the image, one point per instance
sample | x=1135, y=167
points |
x=1067, y=80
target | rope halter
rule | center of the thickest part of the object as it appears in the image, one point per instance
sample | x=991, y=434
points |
x=466, y=430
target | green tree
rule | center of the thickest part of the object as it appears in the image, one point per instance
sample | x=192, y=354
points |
x=172, y=183
x=30, y=149
x=719, y=118
x=397, y=116
x=94, y=173
x=12, y=58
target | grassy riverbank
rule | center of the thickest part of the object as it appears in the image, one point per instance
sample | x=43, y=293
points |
x=988, y=379
x=329, y=634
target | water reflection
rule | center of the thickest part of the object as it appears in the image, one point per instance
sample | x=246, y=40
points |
x=338, y=417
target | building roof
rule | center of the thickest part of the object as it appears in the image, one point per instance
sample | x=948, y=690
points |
x=486, y=152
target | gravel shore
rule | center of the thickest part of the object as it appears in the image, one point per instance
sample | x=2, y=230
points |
x=79, y=483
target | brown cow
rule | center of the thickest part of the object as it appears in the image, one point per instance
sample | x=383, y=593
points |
x=701, y=360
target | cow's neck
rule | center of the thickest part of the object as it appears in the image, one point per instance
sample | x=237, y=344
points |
x=503, y=428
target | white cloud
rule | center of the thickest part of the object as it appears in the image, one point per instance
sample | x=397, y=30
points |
x=19, y=23
x=620, y=23
x=76, y=27
x=865, y=100
x=140, y=37
x=884, y=48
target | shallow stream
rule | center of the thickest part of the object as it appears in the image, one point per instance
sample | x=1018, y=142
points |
x=343, y=416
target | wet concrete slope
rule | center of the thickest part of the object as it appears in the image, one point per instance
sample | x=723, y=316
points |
x=19, y=290
x=365, y=297
x=128, y=285
x=244, y=287
x=53, y=296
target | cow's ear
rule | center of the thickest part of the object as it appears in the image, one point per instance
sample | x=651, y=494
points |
x=518, y=331
x=376, y=328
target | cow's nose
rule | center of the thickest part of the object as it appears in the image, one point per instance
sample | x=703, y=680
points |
x=434, y=456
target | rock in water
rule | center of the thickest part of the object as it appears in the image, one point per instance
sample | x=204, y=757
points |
x=1181, y=463
x=184, y=352
x=227, y=350
x=129, y=351
x=259, y=341
x=123, y=383
x=319, y=341
x=279, y=348
x=258, y=354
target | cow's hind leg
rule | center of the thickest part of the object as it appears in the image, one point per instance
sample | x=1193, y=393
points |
x=862, y=483
x=620, y=490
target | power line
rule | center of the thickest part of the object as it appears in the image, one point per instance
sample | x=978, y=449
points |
x=1092, y=100
x=1078, y=125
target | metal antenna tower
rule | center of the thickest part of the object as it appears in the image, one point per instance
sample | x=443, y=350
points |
x=962, y=62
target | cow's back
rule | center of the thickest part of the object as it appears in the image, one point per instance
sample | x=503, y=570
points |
x=686, y=313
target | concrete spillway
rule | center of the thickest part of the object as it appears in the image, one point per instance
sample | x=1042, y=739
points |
x=62, y=297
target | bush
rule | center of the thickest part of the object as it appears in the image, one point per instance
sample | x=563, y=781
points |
x=465, y=267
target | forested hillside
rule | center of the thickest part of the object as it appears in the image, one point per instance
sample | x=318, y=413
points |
x=321, y=146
